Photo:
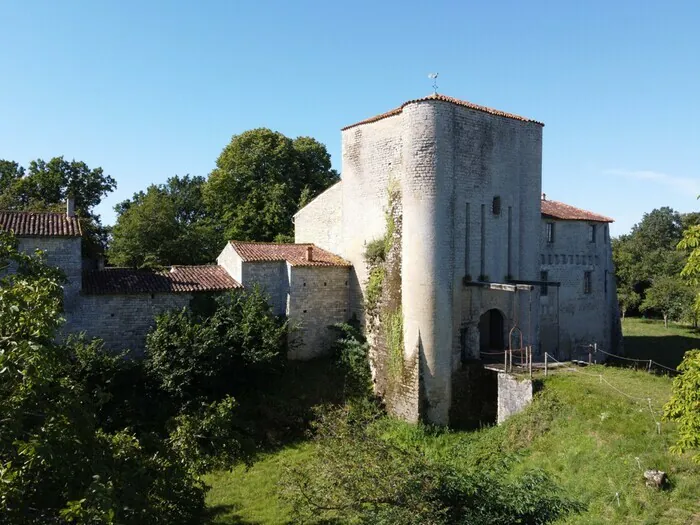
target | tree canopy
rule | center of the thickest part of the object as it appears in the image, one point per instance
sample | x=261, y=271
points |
x=647, y=254
x=167, y=224
x=46, y=186
x=260, y=181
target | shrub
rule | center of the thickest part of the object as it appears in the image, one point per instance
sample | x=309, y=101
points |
x=375, y=252
x=684, y=405
x=350, y=352
x=194, y=358
x=360, y=476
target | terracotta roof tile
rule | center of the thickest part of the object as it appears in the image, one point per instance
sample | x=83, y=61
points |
x=40, y=224
x=559, y=210
x=179, y=279
x=443, y=98
x=294, y=254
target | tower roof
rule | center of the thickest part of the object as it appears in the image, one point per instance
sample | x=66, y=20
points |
x=443, y=98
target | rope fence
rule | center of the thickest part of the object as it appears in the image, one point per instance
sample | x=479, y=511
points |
x=646, y=401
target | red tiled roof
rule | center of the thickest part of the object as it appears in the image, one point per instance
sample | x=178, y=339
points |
x=40, y=224
x=559, y=210
x=442, y=98
x=294, y=254
x=179, y=279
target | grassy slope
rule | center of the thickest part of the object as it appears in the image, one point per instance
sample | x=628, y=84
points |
x=649, y=339
x=592, y=439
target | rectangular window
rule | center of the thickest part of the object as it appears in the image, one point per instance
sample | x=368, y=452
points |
x=606, y=234
x=550, y=232
x=543, y=287
x=587, y=282
x=592, y=232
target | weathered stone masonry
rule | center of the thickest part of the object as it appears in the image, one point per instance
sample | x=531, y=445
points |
x=470, y=184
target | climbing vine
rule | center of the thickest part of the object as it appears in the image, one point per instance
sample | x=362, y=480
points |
x=383, y=293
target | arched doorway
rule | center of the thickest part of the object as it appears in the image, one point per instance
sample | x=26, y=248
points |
x=491, y=334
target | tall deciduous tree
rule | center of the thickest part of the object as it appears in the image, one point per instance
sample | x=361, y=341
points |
x=670, y=296
x=47, y=185
x=167, y=224
x=261, y=179
x=647, y=253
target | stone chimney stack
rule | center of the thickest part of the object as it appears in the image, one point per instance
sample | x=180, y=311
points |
x=70, y=206
x=309, y=253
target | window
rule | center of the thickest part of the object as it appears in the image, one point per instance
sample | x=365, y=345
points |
x=587, y=282
x=606, y=234
x=550, y=232
x=543, y=287
x=496, y=206
x=592, y=231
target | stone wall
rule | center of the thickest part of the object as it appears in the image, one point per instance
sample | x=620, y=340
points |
x=272, y=276
x=320, y=221
x=570, y=317
x=372, y=156
x=122, y=321
x=318, y=298
x=513, y=395
x=65, y=253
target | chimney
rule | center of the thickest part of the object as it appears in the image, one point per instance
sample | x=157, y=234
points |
x=309, y=253
x=544, y=196
x=70, y=206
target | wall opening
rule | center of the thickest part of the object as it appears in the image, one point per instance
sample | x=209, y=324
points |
x=491, y=326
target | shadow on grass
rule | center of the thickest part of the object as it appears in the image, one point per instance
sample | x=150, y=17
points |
x=219, y=515
x=665, y=349
x=280, y=413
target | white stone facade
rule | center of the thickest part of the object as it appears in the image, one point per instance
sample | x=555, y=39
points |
x=470, y=186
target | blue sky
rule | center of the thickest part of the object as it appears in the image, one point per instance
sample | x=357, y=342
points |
x=152, y=89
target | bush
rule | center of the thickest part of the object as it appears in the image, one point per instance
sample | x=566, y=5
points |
x=358, y=475
x=194, y=358
x=375, y=252
x=684, y=405
x=351, y=354
x=56, y=464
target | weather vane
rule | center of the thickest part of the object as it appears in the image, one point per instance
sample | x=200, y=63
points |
x=433, y=77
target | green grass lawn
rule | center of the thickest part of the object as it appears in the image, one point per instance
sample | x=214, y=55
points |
x=593, y=440
x=649, y=339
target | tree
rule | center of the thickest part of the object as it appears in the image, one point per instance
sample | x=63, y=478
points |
x=56, y=464
x=647, y=253
x=197, y=358
x=684, y=405
x=261, y=179
x=628, y=300
x=358, y=474
x=670, y=296
x=47, y=185
x=165, y=225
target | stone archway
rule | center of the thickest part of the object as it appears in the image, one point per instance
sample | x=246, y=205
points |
x=491, y=331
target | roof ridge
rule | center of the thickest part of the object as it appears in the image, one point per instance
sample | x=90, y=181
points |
x=443, y=98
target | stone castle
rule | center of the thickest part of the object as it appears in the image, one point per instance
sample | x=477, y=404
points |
x=479, y=259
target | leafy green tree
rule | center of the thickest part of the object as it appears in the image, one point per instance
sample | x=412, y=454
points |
x=47, y=185
x=165, y=225
x=647, y=253
x=56, y=464
x=261, y=179
x=628, y=299
x=684, y=405
x=359, y=475
x=196, y=358
x=670, y=296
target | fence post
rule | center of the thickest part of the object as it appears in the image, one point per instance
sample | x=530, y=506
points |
x=590, y=356
x=649, y=367
x=545, y=364
x=530, y=361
